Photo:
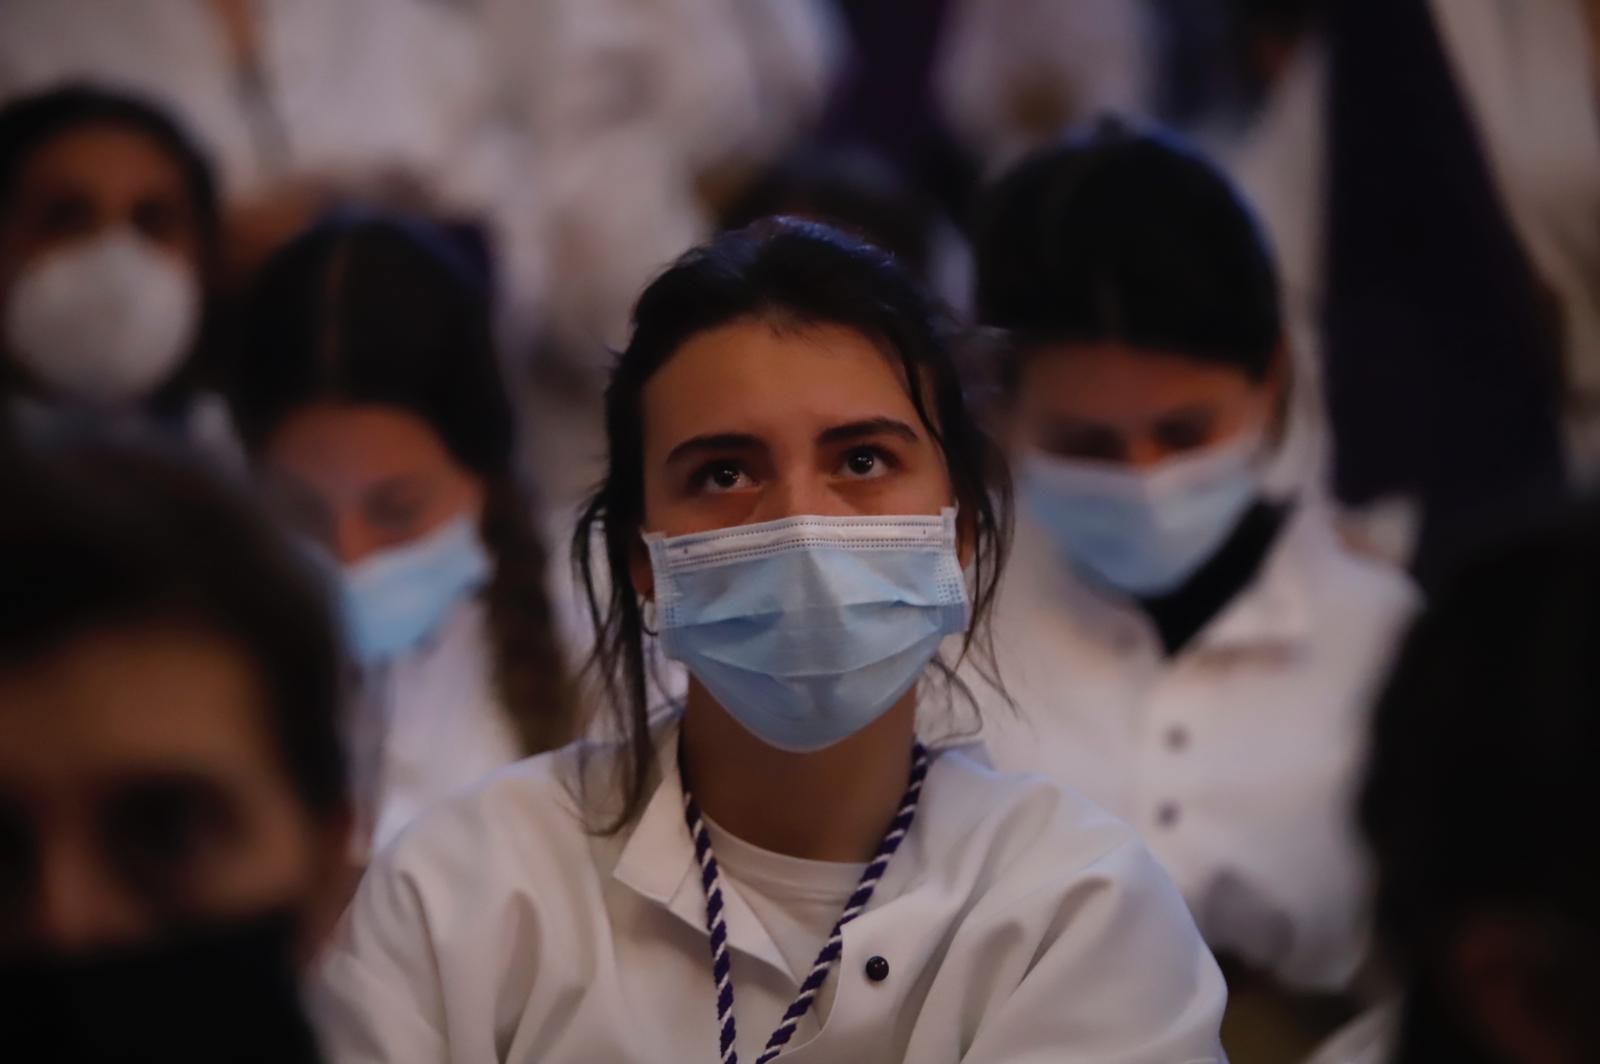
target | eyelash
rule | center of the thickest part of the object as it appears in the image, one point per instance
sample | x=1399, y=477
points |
x=888, y=458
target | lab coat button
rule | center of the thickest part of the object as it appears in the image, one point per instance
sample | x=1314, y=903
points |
x=1167, y=814
x=877, y=969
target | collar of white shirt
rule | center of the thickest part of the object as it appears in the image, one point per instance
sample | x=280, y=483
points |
x=658, y=864
x=1270, y=614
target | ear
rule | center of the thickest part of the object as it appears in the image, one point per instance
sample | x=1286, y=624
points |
x=640, y=572
x=966, y=536
x=1497, y=966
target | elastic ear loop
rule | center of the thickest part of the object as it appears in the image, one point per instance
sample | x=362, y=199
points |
x=650, y=619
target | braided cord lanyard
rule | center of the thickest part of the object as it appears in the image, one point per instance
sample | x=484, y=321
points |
x=716, y=925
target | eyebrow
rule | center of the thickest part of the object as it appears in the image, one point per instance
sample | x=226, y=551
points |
x=853, y=430
x=872, y=426
x=719, y=441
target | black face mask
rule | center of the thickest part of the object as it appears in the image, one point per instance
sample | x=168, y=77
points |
x=223, y=992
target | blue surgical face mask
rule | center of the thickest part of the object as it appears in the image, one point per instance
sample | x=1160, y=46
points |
x=1144, y=533
x=395, y=599
x=808, y=629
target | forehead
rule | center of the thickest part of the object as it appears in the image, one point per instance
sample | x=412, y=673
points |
x=101, y=158
x=1112, y=380
x=756, y=377
x=122, y=701
x=347, y=442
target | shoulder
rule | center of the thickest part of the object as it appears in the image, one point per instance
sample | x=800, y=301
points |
x=504, y=834
x=1024, y=831
x=1356, y=587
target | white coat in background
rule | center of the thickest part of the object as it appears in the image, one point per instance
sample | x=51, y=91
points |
x=354, y=93
x=1019, y=922
x=425, y=726
x=1076, y=59
x=1237, y=759
x=631, y=104
x=1527, y=78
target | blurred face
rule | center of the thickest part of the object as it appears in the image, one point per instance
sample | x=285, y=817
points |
x=141, y=789
x=747, y=423
x=85, y=182
x=1133, y=407
x=363, y=478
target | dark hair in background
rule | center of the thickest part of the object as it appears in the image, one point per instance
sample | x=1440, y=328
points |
x=852, y=190
x=790, y=275
x=1482, y=786
x=378, y=309
x=30, y=123
x=95, y=538
x=1127, y=237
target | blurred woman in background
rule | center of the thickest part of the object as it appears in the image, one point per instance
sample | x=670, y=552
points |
x=1187, y=649
x=109, y=247
x=789, y=449
x=371, y=403
x=173, y=812
x=1479, y=806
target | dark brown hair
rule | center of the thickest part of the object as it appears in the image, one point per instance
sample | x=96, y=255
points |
x=381, y=309
x=791, y=273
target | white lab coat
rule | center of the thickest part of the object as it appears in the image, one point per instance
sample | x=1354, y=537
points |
x=425, y=726
x=1527, y=79
x=1081, y=58
x=356, y=92
x=1020, y=923
x=1237, y=759
x=629, y=104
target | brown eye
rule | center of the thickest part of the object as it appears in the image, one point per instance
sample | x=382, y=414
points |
x=158, y=832
x=1185, y=432
x=1095, y=443
x=719, y=476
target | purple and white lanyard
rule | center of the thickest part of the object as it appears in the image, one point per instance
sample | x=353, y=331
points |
x=716, y=925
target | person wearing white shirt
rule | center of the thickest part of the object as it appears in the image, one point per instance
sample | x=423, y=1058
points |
x=1478, y=805
x=110, y=239
x=1191, y=652
x=371, y=403
x=798, y=509
x=302, y=103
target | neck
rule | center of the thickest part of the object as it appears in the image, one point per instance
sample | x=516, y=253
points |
x=832, y=805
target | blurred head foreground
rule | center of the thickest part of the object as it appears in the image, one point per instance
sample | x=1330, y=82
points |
x=172, y=793
x=1480, y=802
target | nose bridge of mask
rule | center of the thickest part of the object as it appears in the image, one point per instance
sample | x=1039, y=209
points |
x=786, y=566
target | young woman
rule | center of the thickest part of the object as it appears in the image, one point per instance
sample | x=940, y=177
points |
x=371, y=402
x=795, y=499
x=172, y=793
x=1190, y=651
x=108, y=251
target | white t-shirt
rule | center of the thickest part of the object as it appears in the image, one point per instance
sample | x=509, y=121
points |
x=1020, y=924
x=797, y=901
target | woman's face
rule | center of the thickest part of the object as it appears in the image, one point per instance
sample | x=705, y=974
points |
x=142, y=789
x=82, y=183
x=748, y=423
x=364, y=477
x=1134, y=407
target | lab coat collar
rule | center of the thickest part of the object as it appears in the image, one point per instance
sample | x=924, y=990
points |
x=1273, y=611
x=1270, y=614
x=658, y=864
